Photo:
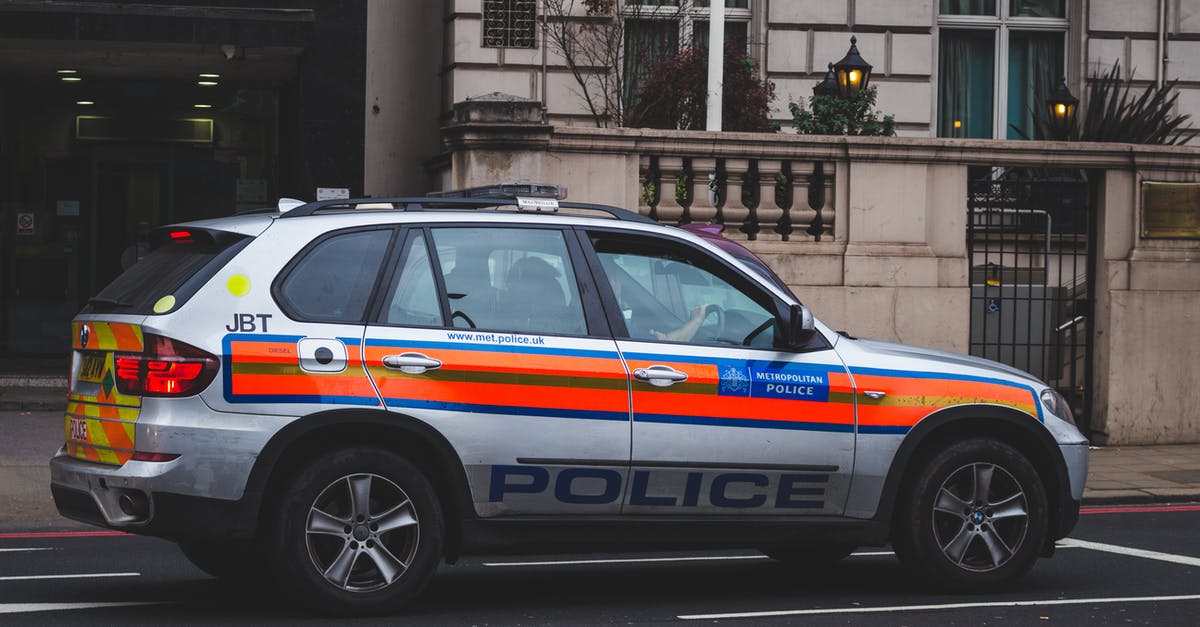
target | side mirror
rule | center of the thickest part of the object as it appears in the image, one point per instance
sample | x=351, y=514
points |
x=800, y=326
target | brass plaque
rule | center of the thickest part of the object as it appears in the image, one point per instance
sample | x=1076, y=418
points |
x=1171, y=210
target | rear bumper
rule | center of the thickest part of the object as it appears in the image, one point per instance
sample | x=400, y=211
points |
x=96, y=499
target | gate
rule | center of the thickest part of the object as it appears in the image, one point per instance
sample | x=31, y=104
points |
x=1031, y=246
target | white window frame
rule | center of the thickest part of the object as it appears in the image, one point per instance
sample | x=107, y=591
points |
x=1001, y=24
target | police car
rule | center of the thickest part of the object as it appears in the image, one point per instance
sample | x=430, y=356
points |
x=337, y=396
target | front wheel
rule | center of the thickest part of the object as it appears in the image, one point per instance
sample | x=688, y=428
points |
x=974, y=517
x=360, y=533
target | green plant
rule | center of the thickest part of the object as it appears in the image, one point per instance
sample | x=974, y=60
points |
x=1115, y=114
x=650, y=192
x=834, y=115
x=683, y=188
x=674, y=93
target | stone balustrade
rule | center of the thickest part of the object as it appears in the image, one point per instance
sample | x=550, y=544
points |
x=780, y=199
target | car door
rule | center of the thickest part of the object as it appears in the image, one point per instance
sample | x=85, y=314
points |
x=723, y=421
x=484, y=333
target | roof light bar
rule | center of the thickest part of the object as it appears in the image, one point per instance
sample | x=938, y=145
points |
x=508, y=191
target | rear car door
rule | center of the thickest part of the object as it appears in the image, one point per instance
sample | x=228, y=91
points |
x=492, y=335
x=723, y=421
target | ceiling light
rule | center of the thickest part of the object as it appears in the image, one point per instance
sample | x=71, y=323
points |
x=202, y=106
x=206, y=83
x=71, y=79
x=85, y=102
x=209, y=75
x=68, y=71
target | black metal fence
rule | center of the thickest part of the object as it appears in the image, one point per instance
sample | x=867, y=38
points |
x=1030, y=245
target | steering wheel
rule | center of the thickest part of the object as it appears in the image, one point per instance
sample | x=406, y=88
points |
x=757, y=331
x=716, y=309
x=459, y=314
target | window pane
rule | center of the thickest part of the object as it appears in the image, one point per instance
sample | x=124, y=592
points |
x=735, y=34
x=965, y=83
x=646, y=41
x=1037, y=8
x=334, y=280
x=967, y=7
x=1035, y=63
x=414, y=299
x=518, y=280
x=729, y=4
x=664, y=298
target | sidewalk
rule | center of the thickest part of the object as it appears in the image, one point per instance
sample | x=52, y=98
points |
x=1143, y=474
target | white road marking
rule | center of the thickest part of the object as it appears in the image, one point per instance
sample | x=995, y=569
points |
x=644, y=560
x=36, y=548
x=18, y=608
x=1124, y=550
x=946, y=606
x=630, y=560
x=75, y=576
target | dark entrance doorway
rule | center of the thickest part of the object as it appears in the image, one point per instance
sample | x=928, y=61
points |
x=1031, y=246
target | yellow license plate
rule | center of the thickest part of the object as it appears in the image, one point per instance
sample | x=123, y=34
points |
x=92, y=368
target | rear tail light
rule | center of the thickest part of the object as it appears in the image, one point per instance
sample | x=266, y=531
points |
x=166, y=368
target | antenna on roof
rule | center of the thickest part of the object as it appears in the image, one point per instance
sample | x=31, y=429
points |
x=287, y=204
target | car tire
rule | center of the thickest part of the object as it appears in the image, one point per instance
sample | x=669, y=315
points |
x=809, y=554
x=359, y=532
x=233, y=561
x=973, y=518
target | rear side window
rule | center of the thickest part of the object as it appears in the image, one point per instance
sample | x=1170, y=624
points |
x=181, y=262
x=332, y=280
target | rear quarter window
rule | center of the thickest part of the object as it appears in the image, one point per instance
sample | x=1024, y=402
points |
x=177, y=267
x=332, y=280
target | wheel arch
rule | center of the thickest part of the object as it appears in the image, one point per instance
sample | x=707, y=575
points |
x=1008, y=425
x=316, y=433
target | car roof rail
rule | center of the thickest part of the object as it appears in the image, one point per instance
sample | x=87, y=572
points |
x=445, y=201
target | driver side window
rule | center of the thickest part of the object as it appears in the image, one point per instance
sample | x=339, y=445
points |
x=674, y=296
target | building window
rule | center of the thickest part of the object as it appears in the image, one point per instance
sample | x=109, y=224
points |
x=998, y=60
x=509, y=24
x=657, y=28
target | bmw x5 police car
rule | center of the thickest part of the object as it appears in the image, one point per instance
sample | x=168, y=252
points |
x=346, y=393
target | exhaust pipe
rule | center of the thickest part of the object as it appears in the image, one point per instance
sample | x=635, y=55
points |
x=135, y=504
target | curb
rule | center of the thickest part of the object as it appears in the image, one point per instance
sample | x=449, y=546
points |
x=32, y=405
x=1143, y=499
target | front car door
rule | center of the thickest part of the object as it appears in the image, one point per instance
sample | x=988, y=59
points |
x=490, y=334
x=724, y=422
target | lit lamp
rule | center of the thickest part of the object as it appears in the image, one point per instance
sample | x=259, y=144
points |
x=853, y=73
x=1062, y=105
x=829, y=86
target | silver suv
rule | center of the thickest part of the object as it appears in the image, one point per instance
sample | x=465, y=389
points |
x=345, y=393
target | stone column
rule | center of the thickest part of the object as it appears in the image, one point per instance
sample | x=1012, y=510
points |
x=733, y=211
x=704, y=170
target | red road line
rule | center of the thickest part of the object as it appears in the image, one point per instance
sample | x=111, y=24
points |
x=1135, y=509
x=33, y=535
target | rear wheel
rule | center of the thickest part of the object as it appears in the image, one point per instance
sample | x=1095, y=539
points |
x=360, y=532
x=974, y=517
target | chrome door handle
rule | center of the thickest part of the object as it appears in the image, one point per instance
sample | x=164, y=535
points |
x=411, y=363
x=659, y=375
x=875, y=395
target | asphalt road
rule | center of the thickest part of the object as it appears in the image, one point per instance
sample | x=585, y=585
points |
x=1132, y=566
